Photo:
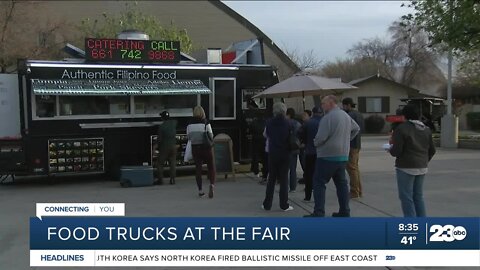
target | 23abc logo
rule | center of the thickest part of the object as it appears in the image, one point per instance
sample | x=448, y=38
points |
x=447, y=233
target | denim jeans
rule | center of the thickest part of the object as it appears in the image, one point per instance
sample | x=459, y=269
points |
x=410, y=192
x=293, y=170
x=324, y=171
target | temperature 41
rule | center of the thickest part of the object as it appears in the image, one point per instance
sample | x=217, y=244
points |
x=408, y=240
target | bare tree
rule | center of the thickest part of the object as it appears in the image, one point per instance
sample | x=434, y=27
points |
x=350, y=69
x=467, y=80
x=7, y=8
x=306, y=61
x=413, y=52
x=25, y=38
x=378, y=52
x=405, y=58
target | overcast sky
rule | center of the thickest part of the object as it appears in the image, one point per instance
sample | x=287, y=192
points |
x=329, y=28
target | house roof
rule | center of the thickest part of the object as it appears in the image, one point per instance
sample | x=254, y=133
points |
x=412, y=92
x=262, y=36
x=362, y=79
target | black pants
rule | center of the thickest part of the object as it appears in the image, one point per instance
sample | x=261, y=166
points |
x=203, y=154
x=168, y=152
x=265, y=165
x=309, y=171
x=257, y=156
x=278, y=166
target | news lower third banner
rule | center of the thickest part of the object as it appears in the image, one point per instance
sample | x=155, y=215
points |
x=173, y=241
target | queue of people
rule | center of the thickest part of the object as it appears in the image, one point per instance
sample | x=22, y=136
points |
x=329, y=146
x=332, y=143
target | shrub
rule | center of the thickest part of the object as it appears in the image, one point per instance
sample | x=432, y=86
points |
x=374, y=124
x=473, y=120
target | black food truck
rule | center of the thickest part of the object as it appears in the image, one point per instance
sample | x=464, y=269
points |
x=98, y=114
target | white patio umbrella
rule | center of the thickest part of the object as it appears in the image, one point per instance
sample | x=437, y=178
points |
x=301, y=85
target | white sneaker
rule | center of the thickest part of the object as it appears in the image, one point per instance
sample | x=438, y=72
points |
x=290, y=208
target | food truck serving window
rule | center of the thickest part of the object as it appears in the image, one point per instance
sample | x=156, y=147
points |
x=175, y=105
x=94, y=105
x=68, y=98
x=224, y=98
x=45, y=105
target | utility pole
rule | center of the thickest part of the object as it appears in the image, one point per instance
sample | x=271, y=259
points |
x=449, y=129
x=449, y=83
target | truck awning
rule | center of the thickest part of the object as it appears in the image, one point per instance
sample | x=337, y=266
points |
x=118, y=87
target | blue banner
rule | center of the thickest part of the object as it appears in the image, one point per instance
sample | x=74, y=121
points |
x=130, y=233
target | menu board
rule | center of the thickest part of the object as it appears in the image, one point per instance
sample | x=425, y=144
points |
x=182, y=140
x=248, y=102
x=76, y=155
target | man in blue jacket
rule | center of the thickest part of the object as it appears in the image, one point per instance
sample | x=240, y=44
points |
x=332, y=143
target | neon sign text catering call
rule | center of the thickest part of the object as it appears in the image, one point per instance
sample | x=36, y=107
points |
x=127, y=50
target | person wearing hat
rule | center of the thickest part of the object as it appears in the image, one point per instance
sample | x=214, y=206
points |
x=167, y=147
x=355, y=145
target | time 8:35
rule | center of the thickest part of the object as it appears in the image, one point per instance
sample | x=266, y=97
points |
x=132, y=54
x=409, y=227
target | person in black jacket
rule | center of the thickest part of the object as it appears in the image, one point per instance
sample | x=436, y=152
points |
x=413, y=147
x=277, y=131
x=167, y=147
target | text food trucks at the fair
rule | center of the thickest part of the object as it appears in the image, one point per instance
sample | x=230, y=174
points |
x=96, y=114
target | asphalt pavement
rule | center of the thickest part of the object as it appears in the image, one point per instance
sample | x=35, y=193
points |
x=452, y=189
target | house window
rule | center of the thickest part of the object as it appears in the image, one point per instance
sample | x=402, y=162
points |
x=224, y=98
x=374, y=104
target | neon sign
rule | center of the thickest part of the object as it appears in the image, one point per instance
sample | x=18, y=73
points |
x=128, y=50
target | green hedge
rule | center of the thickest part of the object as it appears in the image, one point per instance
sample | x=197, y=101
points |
x=473, y=120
